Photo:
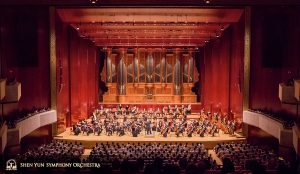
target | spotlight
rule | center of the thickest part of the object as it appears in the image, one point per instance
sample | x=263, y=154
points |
x=207, y=1
x=93, y=1
x=217, y=35
x=77, y=28
x=222, y=28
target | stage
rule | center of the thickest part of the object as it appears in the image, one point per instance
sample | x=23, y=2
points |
x=90, y=141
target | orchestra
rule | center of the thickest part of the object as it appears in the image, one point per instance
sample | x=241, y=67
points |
x=129, y=121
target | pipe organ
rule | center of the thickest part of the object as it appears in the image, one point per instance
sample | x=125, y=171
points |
x=152, y=75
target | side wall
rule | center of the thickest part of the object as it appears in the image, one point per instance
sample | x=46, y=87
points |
x=264, y=74
x=24, y=52
x=221, y=73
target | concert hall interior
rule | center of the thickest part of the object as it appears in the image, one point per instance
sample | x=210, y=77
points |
x=173, y=73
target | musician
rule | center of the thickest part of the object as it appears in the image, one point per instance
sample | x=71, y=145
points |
x=202, y=131
x=109, y=130
x=214, y=130
x=124, y=118
x=232, y=127
x=177, y=112
x=189, y=109
x=169, y=109
x=88, y=130
x=121, y=131
x=133, y=109
x=182, y=109
x=76, y=130
x=157, y=113
x=163, y=111
x=165, y=132
x=165, y=118
x=190, y=131
x=127, y=109
x=115, y=115
x=179, y=130
x=134, y=133
x=101, y=108
x=98, y=129
x=148, y=127
x=184, y=119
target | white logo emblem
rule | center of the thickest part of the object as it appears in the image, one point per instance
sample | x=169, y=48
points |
x=11, y=164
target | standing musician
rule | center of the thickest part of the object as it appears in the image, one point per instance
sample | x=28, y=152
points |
x=177, y=112
x=127, y=110
x=169, y=109
x=182, y=109
x=231, y=127
x=163, y=111
x=189, y=109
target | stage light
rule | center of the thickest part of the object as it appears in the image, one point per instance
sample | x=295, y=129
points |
x=93, y=1
x=222, y=28
x=207, y=1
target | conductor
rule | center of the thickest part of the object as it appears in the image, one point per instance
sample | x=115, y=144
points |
x=148, y=127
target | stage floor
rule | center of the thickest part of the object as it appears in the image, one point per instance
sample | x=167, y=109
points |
x=90, y=141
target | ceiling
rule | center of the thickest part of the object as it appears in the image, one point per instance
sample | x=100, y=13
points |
x=150, y=27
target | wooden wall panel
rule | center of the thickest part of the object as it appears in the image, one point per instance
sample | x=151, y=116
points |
x=63, y=93
x=83, y=77
x=219, y=73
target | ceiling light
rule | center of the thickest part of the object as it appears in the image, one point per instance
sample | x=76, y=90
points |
x=93, y=1
x=77, y=28
x=207, y=1
x=222, y=28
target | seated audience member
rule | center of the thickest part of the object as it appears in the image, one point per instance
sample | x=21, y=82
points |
x=257, y=168
x=171, y=169
x=183, y=163
x=133, y=167
x=115, y=164
x=191, y=168
x=149, y=169
x=271, y=165
x=228, y=166
x=282, y=168
x=294, y=167
x=201, y=167
x=124, y=168
x=140, y=162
